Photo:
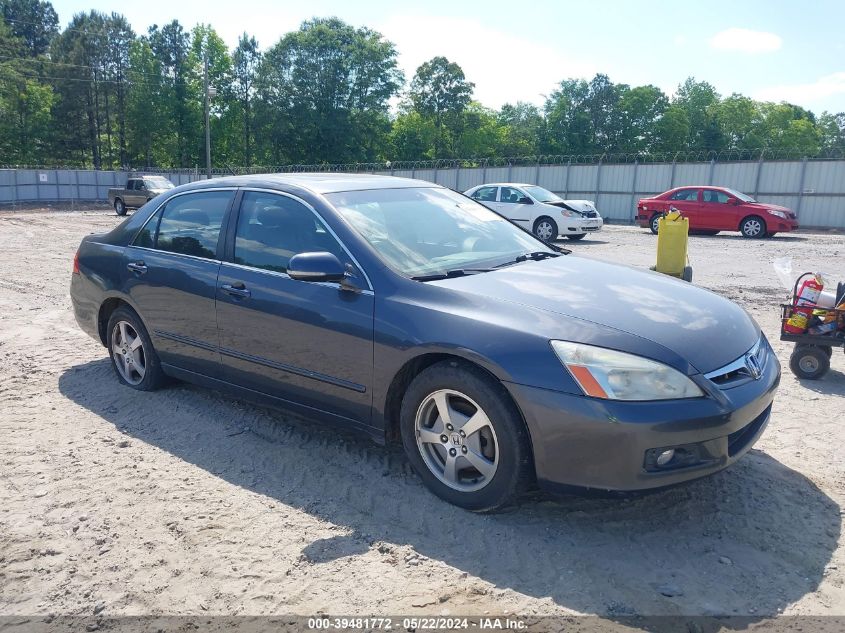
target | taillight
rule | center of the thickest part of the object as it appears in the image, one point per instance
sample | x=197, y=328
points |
x=76, y=263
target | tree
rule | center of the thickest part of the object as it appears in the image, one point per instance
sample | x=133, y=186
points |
x=149, y=129
x=641, y=109
x=567, y=121
x=697, y=98
x=24, y=105
x=245, y=62
x=324, y=93
x=33, y=21
x=520, y=129
x=440, y=91
x=671, y=130
x=182, y=100
x=832, y=130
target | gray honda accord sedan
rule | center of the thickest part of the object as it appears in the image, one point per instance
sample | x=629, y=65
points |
x=412, y=313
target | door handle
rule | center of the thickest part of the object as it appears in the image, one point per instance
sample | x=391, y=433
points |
x=137, y=267
x=236, y=290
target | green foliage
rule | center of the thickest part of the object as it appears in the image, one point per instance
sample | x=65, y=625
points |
x=97, y=94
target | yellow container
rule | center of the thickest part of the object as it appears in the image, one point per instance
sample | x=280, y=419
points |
x=672, y=237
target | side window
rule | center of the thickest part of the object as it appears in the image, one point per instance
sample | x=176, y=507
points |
x=273, y=228
x=131, y=185
x=190, y=224
x=690, y=195
x=514, y=196
x=146, y=237
x=485, y=194
x=712, y=195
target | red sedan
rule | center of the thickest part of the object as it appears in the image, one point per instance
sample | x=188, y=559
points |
x=714, y=209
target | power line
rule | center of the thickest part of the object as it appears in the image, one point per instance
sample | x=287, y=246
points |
x=127, y=69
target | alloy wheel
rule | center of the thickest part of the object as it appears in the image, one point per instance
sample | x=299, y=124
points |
x=127, y=348
x=456, y=440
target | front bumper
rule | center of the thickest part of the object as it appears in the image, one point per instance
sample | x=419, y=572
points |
x=585, y=225
x=604, y=444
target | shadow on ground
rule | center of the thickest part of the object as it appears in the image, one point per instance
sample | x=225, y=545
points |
x=750, y=541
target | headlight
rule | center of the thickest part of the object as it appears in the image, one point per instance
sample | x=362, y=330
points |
x=780, y=214
x=566, y=213
x=606, y=373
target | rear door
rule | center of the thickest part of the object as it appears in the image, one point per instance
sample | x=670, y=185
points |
x=487, y=196
x=171, y=277
x=687, y=202
x=306, y=342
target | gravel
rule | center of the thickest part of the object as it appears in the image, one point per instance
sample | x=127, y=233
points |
x=217, y=506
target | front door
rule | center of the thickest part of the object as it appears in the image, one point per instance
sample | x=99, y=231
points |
x=170, y=274
x=716, y=211
x=515, y=206
x=306, y=342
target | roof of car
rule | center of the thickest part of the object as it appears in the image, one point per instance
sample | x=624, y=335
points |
x=505, y=184
x=320, y=182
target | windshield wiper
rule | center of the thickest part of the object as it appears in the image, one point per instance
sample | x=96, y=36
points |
x=535, y=256
x=454, y=272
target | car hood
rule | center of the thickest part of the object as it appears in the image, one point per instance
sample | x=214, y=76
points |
x=766, y=205
x=581, y=206
x=705, y=330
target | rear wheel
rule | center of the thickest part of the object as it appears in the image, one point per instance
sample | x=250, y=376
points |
x=575, y=238
x=119, y=206
x=753, y=227
x=132, y=354
x=809, y=362
x=546, y=229
x=465, y=438
x=653, y=224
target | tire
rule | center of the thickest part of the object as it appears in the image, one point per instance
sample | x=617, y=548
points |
x=753, y=227
x=687, y=274
x=575, y=238
x=652, y=223
x=141, y=368
x=809, y=362
x=547, y=227
x=119, y=206
x=500, y=447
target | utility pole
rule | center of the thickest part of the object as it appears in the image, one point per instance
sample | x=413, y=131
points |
x=207, y=127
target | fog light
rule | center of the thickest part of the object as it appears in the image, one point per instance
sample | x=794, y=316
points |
x=665, y=457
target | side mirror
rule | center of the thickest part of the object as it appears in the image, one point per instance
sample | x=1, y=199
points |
x=735, y=202
x=525, y=200
x=318, y=266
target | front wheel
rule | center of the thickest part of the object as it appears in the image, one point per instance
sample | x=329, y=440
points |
x=119, y=207
x=809, y=362
x=465, y=438
x=546, y=229
x=132, y=354
x=753, y=227
x=575, y=238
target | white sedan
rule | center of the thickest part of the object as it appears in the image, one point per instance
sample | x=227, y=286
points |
x=542, y=212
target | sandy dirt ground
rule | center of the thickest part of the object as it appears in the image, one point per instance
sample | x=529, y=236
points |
x=187, y=502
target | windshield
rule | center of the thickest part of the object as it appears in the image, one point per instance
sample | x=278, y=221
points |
x=423, y=231
x=542, y=195
x=158, y=182
x=741, y=196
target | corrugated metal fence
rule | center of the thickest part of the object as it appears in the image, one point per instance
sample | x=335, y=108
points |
x=814, y=189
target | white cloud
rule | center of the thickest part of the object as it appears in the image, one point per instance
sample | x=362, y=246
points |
x=827, y=86
x=746, y=41
x=505, y=68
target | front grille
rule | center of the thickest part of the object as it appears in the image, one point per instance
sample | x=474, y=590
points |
x=738, y=440
x=737, y=371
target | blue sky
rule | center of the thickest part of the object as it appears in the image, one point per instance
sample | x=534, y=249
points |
x=774, y=50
